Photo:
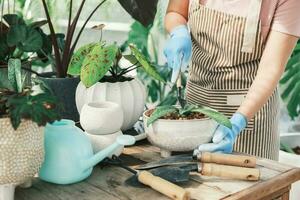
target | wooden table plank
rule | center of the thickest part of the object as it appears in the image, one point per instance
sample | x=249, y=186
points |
x=107, y=182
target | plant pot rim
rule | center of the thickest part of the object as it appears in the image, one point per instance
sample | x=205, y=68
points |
x=290, y=134
x=174, y=120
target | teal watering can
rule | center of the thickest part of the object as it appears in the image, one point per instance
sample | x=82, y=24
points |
x=69, y=154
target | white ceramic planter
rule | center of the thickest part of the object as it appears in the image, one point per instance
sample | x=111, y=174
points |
x=130, y=95
x=179, y=135
x=100, y=142
x=293, y=140
x=21, y=155
x=101, y=117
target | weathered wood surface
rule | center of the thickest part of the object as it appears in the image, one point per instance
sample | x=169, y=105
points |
x=107, y=183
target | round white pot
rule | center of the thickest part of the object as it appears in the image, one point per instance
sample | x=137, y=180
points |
x=100, y=142
x=293, y=140
x=21, y=155
x=179, y=135
x=130, y=95
x=101, y=117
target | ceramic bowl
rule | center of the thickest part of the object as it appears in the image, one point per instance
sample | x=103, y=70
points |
x=179, y=135
x=100, y=142
x=101, y=117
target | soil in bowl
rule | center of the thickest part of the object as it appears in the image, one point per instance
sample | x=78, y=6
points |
x=297, y=150
x=176, y=116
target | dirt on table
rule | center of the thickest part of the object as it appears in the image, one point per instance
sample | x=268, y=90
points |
x=177, y=116
x=297, y=150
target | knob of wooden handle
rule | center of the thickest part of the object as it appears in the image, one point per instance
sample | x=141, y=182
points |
x=227, y=159
x=163, y=186
x=225, y=171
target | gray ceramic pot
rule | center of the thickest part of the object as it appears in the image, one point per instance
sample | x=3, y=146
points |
x=64, y=89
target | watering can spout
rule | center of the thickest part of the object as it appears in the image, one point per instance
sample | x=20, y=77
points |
x=122, y=140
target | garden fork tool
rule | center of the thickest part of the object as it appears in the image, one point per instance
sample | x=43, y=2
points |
x=205, y=164
x=155, y=182
x=180, y=99
x=204, y=157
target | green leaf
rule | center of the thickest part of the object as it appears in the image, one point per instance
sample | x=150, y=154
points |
x=78, y=58
x=13, y=19
x=97, y=63
x=16, y=34
x=213, y=114
x=14, y=74
x=38, y=24
x=148, y=68
x=160, y=112
x=188, y=108
x=293, y=105
x=131, y=58
x=33, y=41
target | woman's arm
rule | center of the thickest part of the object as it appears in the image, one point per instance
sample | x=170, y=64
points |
x=278, y=49
x=177, y=14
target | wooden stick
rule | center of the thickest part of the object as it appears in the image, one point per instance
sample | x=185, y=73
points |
x=228, y=159
x=225, y=171
x=165, y=187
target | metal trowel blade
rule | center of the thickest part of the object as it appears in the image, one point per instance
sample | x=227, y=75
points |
x=171, y=174
x=179, y=160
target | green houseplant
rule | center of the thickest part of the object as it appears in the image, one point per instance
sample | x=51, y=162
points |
x=23, y=113
x=102, y=78
x=62, y=84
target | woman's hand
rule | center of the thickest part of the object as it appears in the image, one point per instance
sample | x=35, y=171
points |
x=178, y=50
x=224, y=138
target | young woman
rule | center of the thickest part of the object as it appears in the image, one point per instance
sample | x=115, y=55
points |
x=238, y=51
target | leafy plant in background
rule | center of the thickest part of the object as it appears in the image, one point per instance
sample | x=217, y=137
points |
x=93, y=61
x=22, y=40
x=24, y=103
x=63, y=53
x=189, y=109
x=291, y=83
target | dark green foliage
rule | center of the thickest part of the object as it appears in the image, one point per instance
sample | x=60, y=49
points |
x=291, y=84
x=22, y=102
x=19, y=38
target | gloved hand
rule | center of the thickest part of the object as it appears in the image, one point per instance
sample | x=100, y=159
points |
x=224, y=138
x=178, y=50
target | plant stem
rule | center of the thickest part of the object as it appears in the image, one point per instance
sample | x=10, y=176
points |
x=54, y=42
x=70, y=14
x=84, y=25
x=126, y=71
x=66, y=52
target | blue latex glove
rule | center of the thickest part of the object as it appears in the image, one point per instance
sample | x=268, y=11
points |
x=178, y=50
x=224, y=138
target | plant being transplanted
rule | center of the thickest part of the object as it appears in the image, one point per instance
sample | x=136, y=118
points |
x=189, y=112
x=25, y=103
x=94, y=61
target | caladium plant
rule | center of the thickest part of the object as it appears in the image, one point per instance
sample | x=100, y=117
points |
x=94, y=61
x=162, y=111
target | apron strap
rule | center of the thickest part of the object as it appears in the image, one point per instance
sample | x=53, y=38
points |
x=251, y=26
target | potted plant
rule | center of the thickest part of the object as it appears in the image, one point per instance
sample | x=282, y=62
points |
x=62, y=84
x=23, y=113
x=25, y=41
x=102, y=79
x=173, y=128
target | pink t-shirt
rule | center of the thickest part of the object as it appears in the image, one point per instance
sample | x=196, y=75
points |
x=278, y=15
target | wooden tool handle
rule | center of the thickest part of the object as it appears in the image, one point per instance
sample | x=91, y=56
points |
x=165, y=187
x=249, y=174
x=228, y=159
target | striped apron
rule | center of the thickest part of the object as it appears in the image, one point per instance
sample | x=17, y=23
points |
x=226, y=54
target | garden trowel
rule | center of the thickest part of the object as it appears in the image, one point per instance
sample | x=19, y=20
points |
x=204, y=157
x=154, y=179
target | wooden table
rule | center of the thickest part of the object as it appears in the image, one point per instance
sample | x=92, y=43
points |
x=107, y=183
